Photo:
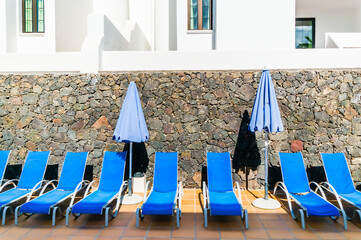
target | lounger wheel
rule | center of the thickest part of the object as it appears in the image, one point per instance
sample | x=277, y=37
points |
x=76, y=215
x=334, y=218
x=28, y=214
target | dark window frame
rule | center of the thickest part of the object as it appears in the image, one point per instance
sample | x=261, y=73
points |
x=34, y=16
x=313, y=20
x=200, y=15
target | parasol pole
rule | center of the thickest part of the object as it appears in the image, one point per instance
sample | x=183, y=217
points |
x=130, y=190
x=266, y=167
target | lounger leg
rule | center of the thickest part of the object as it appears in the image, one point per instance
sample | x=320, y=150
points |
x=177, y=215
x=344, y=216
x=205, y=213
x=54, y=214
x=302, y=218
x=16, y=215
x=67, y=216
x=107, y=216
x=245, y=217
x=137, y=217
x=4, y=214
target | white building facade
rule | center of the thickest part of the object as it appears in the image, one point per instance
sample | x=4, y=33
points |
x=124, y=35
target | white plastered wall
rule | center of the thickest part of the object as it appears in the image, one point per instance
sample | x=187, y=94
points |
x=255, y=25
x=71, y=23
x=331, y=16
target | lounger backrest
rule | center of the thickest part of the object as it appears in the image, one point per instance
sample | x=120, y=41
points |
x=112, y=174
x=165, y=171
x=219, y=172
x=4, y=157
x=294, y=172
x=73, y=170
x=337, y=172
x=33, y=170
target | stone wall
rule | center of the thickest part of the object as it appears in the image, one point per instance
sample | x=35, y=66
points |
x=188, y=112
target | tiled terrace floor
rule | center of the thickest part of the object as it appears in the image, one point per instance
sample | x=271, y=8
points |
x=263, y=224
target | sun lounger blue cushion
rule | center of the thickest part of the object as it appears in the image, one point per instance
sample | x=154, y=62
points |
x=111, y=180
x=316, y=205
x=159, y=203
x=294, y=173
x=354, y=197
x=93, y=203
x=161, y=199
x=222, y=199
x=71, y=175
x=33, y=170
x=4, y=156
x=219, y=172
x=295, y=178
x=224, y=203
x=337, y=172
x=43, y=203
x=11, y=195
x=73, y=170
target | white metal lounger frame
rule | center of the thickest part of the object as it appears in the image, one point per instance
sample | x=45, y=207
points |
x=37, y=186
x=55, y=208
x=206, y=202
x=301, y=212
x=105, y=208
x=177, y=204
x=327, y=186
x=177, y=201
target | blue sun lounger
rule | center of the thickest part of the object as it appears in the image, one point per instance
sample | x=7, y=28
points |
x=219, y=196
x=111, y=186
x=30, y=180
x=4, y=158
x=165, y=192
x=339, y=181
x=70, y=182
x=296, y=187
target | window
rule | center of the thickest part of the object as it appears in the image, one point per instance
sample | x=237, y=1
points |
x=305, y=32
x=199, y=14
x=33, y=16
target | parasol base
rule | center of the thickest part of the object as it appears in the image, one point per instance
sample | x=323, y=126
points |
x=266, y=204
x=131, y=199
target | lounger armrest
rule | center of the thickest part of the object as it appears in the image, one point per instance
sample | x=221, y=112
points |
x=238, y=188
x=327, y=186
x=179, y=194
x=46, y=185
x=283, y=187
x=119, y=197
x=36, y=188
x=318, y=187
x=145, y=196
x=76, y=190
x=8, y=183
x=89, y=186
x=205, y=194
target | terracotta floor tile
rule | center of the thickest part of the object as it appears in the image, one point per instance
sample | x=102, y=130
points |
x=135, y=232
x=132, y=238
x=82, y=238
x=159, y=232
x=38, y=233
x=329, y=234
x=256, y=233
x=87, y=232
x=273, y=224
x=64, y=231
x=190, y=202
x=112, y=232
x=187, y=209
x=293, y=224
x=16, y=231
x=232, y=233
x=185, y=232
x=207, y=233
x=107, y=238
x=350, y=234
x=188, y=191
x=56, y=238
x=188, y=197
x=304, y=234
x=268, y=216
x=162, y=221
x=280, y=234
